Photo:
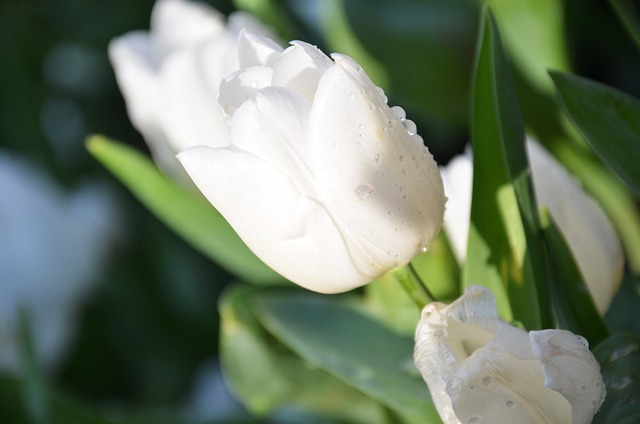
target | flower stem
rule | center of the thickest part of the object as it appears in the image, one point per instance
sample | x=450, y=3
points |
x=413, y=285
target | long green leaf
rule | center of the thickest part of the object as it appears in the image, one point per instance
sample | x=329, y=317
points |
x=185, y=212
x=619, y=358
x=505, y=251
x=353, y=348
x=267, y=376
x=608, y=119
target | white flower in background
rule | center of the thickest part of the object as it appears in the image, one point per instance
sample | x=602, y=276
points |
x=169, y=76
x=52, y=245
x=590, y=235
x=323, y=181
x=482, y=370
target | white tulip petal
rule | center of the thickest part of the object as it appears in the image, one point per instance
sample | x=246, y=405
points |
x=242, y=86
x=479, y=369
x=299, y=68
x=589, y=233
x=367, y=164
x=274, y=128
x=570, y=369
x=292, y=233
x=179, y=23
x=201, y=123
x=256, y=50
x=136, y=73
x=457, y=177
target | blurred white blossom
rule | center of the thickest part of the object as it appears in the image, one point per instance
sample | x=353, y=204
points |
x=326, y=184
x=169, y=76
x=482, y=370
x=52, y=246
x=590, y=235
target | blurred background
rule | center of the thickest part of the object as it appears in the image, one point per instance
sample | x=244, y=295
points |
x=139, y=331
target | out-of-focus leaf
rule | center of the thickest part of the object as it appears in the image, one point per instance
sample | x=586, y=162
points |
x=269, y=12
x=426, y=48
x=186, y=212
x=619, y=358
x=574, y=307
x=341, y=38
x=630, y=17
x=62, y=409
x=609, y=120
x=504, y=251
x=533, y=34
x=268, y=377
x=622, y=315
x=352, y=347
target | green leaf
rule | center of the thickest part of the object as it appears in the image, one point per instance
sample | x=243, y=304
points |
x=608, y=119
x=630, y=17
x=622, y=316
x=573, y=304
x=352, y=347
x=185, y=212
x=619, y=358
x=268, y=377
x=533, y=32
x=504, y=251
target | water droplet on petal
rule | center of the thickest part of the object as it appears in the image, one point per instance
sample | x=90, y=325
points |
x=363, y=191
x=378, y=159
x=398, y=112
x=410, y=126
x=253, y=84
x=510, y=404
x=336, y=144
x=361, y=135
x=486, y=381
x=351, y=95
x=424, y=249
x=474, y=420
x=396, y=256
x=361, y=126
x=397, y=229
x=401, y=158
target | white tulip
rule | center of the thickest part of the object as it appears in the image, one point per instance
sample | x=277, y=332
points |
x=482, y=370
x=169, y=76
x=52, y=246
x=587, y=230
x=323, y=181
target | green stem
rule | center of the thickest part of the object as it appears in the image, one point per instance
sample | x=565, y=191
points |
x=413, y=285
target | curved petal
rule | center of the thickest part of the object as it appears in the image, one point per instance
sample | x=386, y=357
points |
x=191, y=115
x=274, y=128
x=242, y=86
x=256, y=50
x=589, y=233
x=493, y=386
x=179, y=23
x=291, y=233
x=570, y=369
x=376, y=177
x=136, y=74
x=299, y=68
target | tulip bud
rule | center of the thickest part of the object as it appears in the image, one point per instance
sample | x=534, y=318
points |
x=169, y=76
x=482, y=370
x=589, y=234
x=326, y=184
